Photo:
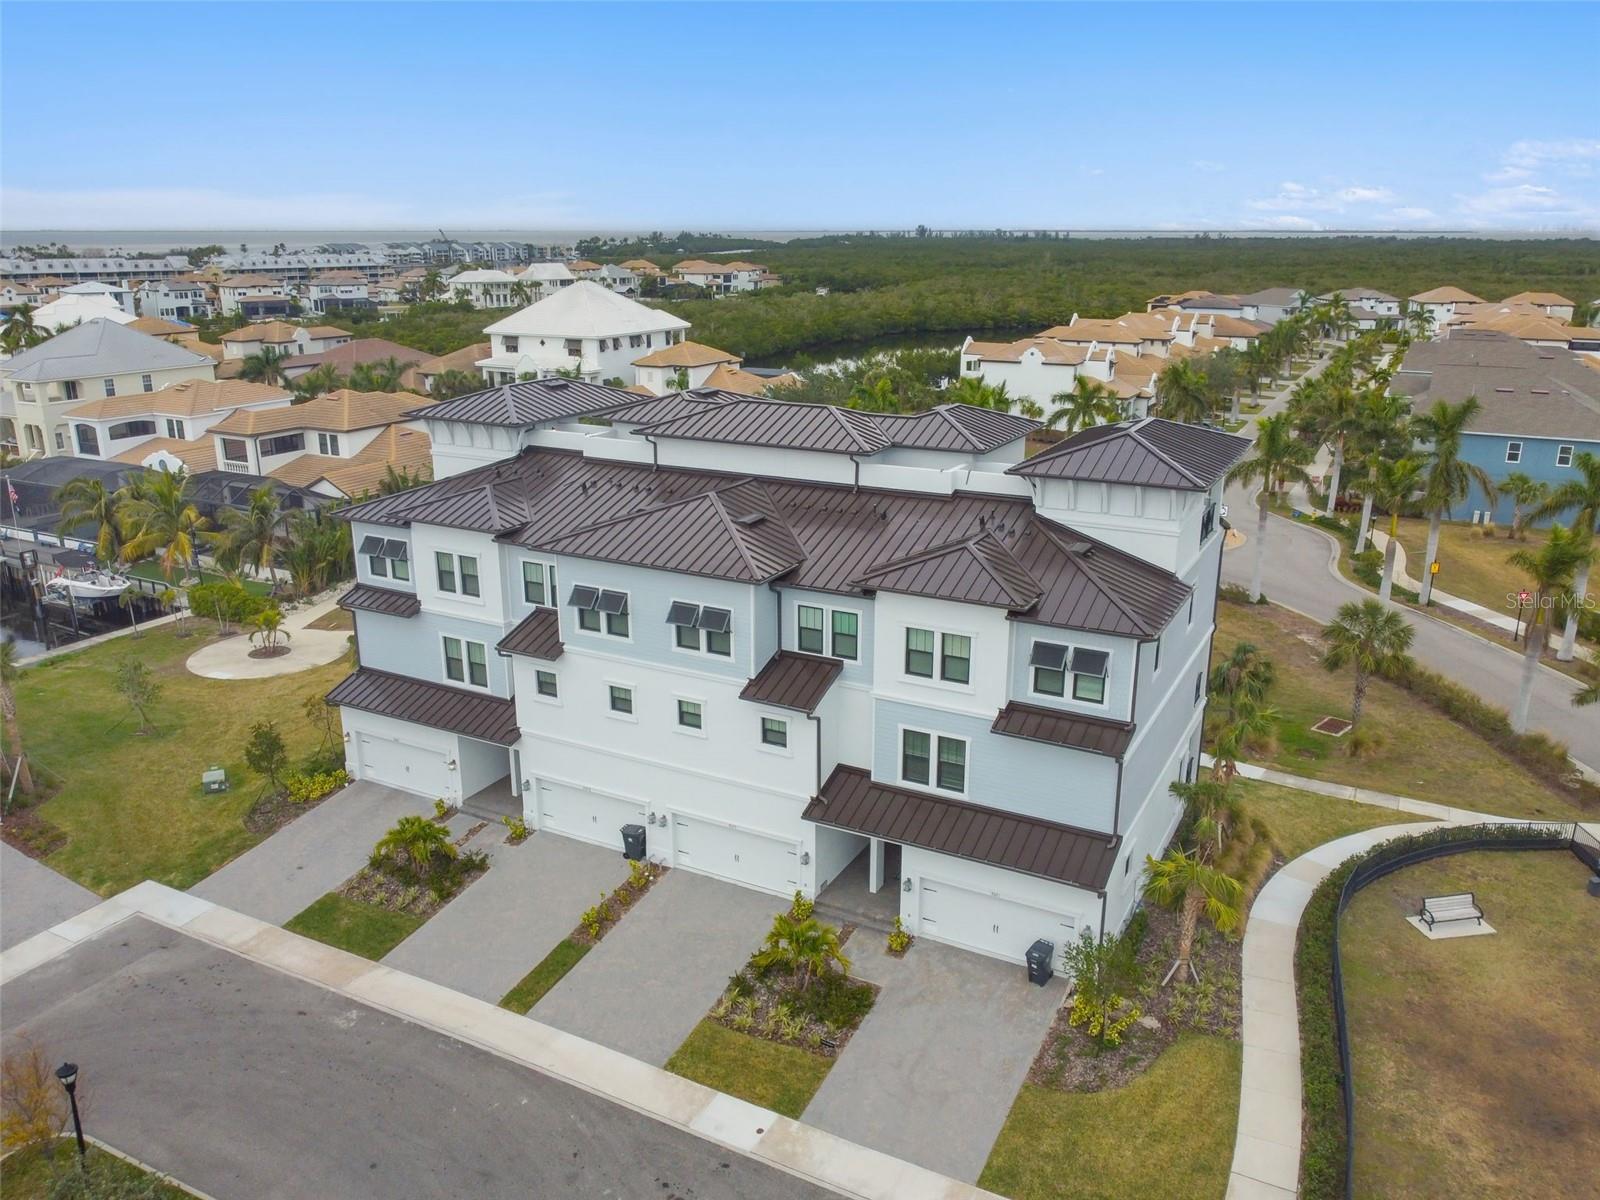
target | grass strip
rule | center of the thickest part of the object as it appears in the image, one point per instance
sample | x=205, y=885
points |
x=552, y=968
x=354, y=925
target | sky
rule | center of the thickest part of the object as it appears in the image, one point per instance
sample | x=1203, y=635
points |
x=665, y=116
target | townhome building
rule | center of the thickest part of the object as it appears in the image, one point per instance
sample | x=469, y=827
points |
x=1270, y=305
x=110, y=427
x=300, y=266
x=1527, y=323
x=334, y=290
x=283, y=337
x=779, y=637
x=172, y=299
x=582, y=328
x=484, y=288
x=105, y=268
x=1209, y=303
x=1440, y=303
x=256, y=296
x=100, y=358
x=1552, y=304
x=339, y=425
x=1377, y=304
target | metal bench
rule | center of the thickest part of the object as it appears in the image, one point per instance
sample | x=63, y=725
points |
x=1461, y=906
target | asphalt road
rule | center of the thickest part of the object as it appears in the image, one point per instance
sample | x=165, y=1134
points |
x=249, y=1084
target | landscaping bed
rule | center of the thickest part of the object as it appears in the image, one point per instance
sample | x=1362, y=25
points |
x=414, y=893
x=31, y=1173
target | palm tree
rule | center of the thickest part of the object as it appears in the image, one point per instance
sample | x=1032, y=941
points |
x=269, y=628
x=520, y=292
x=160, y=515
x=1417, y=320
x=1183, y=393
x=805, y=947
x=1580, y=497
x=414, y=845
x=382, y=376
x=17, y=767
x=1184, y=879
x=1249, y=724
x=87, y=501
x=1337, y=418
x=1447, y=477
x=1370, y=637
x=21, y=331
x=1381, y=435
x=1552, y=568
x=265, y=366
x=316, y=382
x=1090, y=402
x=969, y=389
x=250, y=536
x=1279, y=458
x=1392, y=486
x=1589, y=694
x=1209, y=816
x=432, y=286
x=1257, y=361
x=1245, y=676
x=128, y=599
x=401, y=480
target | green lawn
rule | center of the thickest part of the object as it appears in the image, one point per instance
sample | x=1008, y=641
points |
x=1470, y=565
x=152, y=570
x=1301, y=821
x=354, y=925
x=1477, y=1072
x=782, y=1078
x=1428, y=756
x=130, y=803
x=1168, y=1133
x=550, y=971
x=29, y=1173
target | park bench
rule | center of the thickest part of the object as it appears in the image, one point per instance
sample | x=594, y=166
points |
x=1461, y=906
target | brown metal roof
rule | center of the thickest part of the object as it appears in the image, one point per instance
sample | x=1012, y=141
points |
x=852, y=800
x=978, y=570
x=537, y=635
x=1094, y=734
x=793, y=680
x=955, y=427
x=1091, y=585
x=750, y=421
x=647, y=410
x=1153, y=452
x=389, y=601
x=527, y=403
x=487, y=718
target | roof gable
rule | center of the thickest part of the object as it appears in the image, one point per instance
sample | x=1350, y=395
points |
x=1153, y=452
x=586, y=309
x=975, y=570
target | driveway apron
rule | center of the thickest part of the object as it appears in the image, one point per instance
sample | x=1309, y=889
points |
x=933, y=1070
x=34, y=897
x=656, y=973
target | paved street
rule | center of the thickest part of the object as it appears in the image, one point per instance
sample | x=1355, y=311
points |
x=931, y=1073
x=33, y=897
x=247, y=1083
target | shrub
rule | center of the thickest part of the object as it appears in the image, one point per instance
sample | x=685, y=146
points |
x=265, y=752
x=639, y=875
x=1364, y=743
x=516, y=828
x=740, y=986
x=899, y=937
x=441, y=809
x=593, y=919
x=801, y=908
x=835, y=1000
x=33, y=1105
x=1104, y=972
x=226, y=602
x=304, y=788
x=416, y=848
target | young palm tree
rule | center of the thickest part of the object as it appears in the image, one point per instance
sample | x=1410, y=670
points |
x=1279, y=458
x=401, y=480
x=1417, y=321
x=1381, y=435
x=520, y=292
x=1257, y=361
x=160, y=515
x=1368, y=636
x=1524, y=492
x=87, y=501
x=1246, y=675
x=1580, y=497
x=1210, y=816
x=971, y=390
x=1183, y=393
x=1184, y=879
x=269, y=627
x=316, y=382
x=680, y=379
x=1248, y=724
x=414, y=845
x=1337, y=419
x=250, y=537
x=805, y=947
x=381, y=376
x=16, y=766
x=265, y=366
x=1392, y=485
x=1447, y=477
x=1089, y=403
x=1552, y=568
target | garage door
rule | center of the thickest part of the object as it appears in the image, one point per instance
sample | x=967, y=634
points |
x=738, y=855
x=410, y=768
x=592, y=816
x=989, y=924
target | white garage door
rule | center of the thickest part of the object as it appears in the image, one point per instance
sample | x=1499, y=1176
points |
x=989, y=924
x=739, y=855
x=418, y=769
x=591, y=816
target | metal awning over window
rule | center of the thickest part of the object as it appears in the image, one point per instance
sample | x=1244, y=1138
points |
x=1049, y=655
x=683, y=614
x=584, y=597
x=614, y=603
x=715, y=620
x=395, y=548
x=372, y=544
x=1089, y=662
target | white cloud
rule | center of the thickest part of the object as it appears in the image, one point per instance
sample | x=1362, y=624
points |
x=1287, y=222
x=1364, y=195
x=1299, y=197
x=1571, y=153
x=1208, y=166
x=1519, y=200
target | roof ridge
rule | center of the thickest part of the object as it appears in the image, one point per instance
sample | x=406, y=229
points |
x=1081, y=561
x=730, y=526
x=999, y=547
x=1137, y=432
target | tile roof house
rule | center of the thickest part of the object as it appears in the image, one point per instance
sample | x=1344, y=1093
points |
x=120, y=426
x=585, y=328
x=778, y=637
x=337, y=426
x=1552, y=304
x=346, y=355
x=283, y=337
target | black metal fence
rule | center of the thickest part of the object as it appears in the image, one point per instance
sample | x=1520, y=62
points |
x=1406, y=852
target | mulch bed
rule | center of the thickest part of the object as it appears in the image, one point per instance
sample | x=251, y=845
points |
x=275, y=810
x=1070, y=1061
x=769, y=1011
x=611, y=908
x=30, y=833
x=374, y=885
x=269, y=651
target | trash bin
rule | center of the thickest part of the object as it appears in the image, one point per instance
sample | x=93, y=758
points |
x=1594, y=885
x=1039, y=956
x=633, y=841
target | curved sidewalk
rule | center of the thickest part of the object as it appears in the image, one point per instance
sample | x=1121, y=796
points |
x=230, y=658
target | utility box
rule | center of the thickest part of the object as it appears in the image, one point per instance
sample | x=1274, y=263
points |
x=633, y=842
x=214, y=779
x=1039, y=956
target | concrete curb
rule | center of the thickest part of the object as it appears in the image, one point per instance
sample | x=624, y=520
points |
x=758, y=1133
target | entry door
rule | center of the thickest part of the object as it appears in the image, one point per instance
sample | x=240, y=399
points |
x=989, y=924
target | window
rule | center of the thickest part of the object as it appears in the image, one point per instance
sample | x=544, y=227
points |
x=175, y=428
x=539, y=583
x=1089, y=675
x=147, y=383
x=1513, y=452
x=846, y=634
x=1155, y=662
x=399, y=567
x=88, y=440
x=1563, y=456
x=61, y=439
x=454, y=662
x=284, y=443
x=477, y=665
x=915, y=755
x=1191, y=608
x=700, y=628
x=72, y=389
x=234, y=450
x=446, y=564
x=952, y=775
x=544, y=683
x=774, y=732
x=130, y=429
x=691, y=714
x=466, y=662
x=808, y=636
x=110, y=386
x=468, y=566
x=955, y=658
x=621, y=699
x=919, y=653
x=1199, y=687
x=615, y=607
x=597, y=607
x=1049, y=663
x=937, y=760
x=328, y=443
x=510, y=345
x=378, y=565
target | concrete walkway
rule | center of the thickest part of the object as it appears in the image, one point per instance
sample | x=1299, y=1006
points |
x=501, y=927
x=33, y=897
x=656, y=974
x=230, y=657
x=311, y=855
x=757, y=1134
x=932, y=1072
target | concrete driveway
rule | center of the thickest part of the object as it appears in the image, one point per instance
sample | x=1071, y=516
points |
x=931, y=1073
x=311, y=855
x=496, y=931
x=34, y=897
x=243, y=1081
x=658, y=971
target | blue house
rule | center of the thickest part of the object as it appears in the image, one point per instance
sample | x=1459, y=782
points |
x=1539, y=408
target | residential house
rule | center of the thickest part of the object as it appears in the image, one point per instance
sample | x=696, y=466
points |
x=1204, y=302
x=1539, y=407
x=338, y=425
x=582, y=268
x=283, y=337
x=583, y=328
x=301, y=266
x=71, y=308
x=421, y=376
x=1376, y=305
x=334, y=290
x=686, y=363
x=618, y=279
x=115, y=293
x=396, y=448
x=721, y=279
x=885, y=638
x=546, y=278
x=14, y=293
x=1531, y=325
x=113, y=427
x=176, y=332
x=1552, y=304
x=485, y=289
x=749, y=381
x=173, y=299
x=102, y=358
x=1270, y=305
x=345, y=356
x=643, y=268
x=1440, y=303
x=256, y=296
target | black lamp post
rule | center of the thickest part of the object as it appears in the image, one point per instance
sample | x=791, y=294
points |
x=68, y=1074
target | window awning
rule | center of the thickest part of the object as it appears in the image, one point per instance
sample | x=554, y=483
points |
x=1049, y=655
x=584, y=597
x=684, y=614
x=716, y=620
x=1089, y=662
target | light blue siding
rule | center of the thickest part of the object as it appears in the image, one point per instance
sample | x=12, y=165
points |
x=859, y=671
x=1119, y=670
x=413, y=646
x=1538, y=463
x=359, y=531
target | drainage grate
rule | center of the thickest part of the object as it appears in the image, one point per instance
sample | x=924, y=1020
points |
x=1332, y=726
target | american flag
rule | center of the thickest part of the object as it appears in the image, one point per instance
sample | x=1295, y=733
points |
x=11, y=493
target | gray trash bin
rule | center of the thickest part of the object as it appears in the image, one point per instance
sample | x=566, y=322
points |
x=1040, y=955
x=633, y=841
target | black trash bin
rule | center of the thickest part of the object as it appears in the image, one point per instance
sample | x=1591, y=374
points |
x=633, y=841
x=1039, y=956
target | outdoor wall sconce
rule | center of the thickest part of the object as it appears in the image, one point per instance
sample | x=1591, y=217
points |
x=451, y=764
x=346, y=737
x=805, y=858
x=905, y=885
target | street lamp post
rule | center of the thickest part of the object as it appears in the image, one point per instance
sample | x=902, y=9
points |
x=67, y=1073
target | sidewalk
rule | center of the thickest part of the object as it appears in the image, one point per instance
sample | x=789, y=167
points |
x=230, y=657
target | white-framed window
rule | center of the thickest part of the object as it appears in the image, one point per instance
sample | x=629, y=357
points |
x=378, y=565
x=457, y=573
x=1199, y=687
x=1155, y=660
x=1056, y=667
x=1563, y=456
x=328, y=444
x=775, y=733
x=701, y=628
x=147, y=383
x=539, y=583
x=510, y=345
x=933, y=760
x=466, y=662
x=601, y=610
x=691, y=715
x=175, y=428
x=619, y=699
x=544, y=683
x=1513, y=452
x=835, y=631
x=1191, y=610
x=953, y=659
x=71, y=387
x=110, y=386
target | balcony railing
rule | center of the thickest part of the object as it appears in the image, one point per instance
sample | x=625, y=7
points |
x=238, y=468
